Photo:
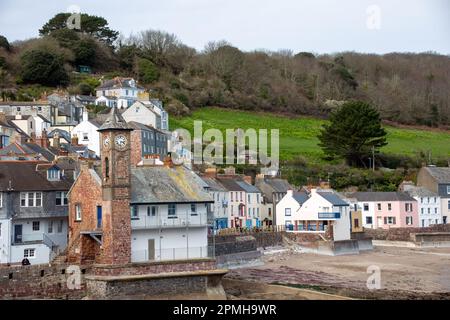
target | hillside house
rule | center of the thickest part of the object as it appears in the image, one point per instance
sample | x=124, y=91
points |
x=118, y=92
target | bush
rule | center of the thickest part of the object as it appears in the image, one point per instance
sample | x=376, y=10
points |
x=43, y=67
x=147, y=71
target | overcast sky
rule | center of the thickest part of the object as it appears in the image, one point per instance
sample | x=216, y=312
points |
x=320, y=26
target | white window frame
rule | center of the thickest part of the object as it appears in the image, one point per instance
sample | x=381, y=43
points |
x=53, y=175
x=60, y=226
x=78, y=212
x=193, y=209
x=29, y=253
x=448, y=189
x=35, y=200
x=286, y=210
x=409, y=220
x=63, y=196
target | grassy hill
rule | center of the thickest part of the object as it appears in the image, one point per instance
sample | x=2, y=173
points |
x=298, y=136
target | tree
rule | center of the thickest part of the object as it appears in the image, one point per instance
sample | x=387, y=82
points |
x=147, y=71
x=354, y=130
x=92, y=25
x=43, y=67
x=84, y=51
x=4, y=43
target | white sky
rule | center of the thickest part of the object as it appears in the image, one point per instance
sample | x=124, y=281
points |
x=320, y=26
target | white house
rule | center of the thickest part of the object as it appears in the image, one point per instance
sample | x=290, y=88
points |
x=429, y=205
x=148, y=112
x=33, y=211
x=87, y=134
x=118, y=92
x=316, y=212
x=41, y=124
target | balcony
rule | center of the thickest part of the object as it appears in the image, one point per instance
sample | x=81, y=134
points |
x=173, y=254
x=329, y=215
x=178, y=221
x=33, y=238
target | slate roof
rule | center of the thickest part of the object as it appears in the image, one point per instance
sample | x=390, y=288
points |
x=230, y=184
x=161, y=184
x=333, y=198
x=382, y=196
x=117, y=83
x=213, y=184
x=420, y=192
x=24, y=177
x=26, y=149
x=39, y=150
x=248, y=187
x=141, y=126
x=300, y=197
x=441, y=174
x=278, y=185
x=115, y=121
x=62, y=133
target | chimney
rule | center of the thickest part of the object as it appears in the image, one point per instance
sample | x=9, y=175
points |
x=248, y=179
x=43, y=140
x=290, y=192
x=2, y=117
x=313, y=191
x=230, y=171
x=56, y=143
x=211, y=172
x=18, y=116
x=85, y=116
x=33, y=137
x=74, y=140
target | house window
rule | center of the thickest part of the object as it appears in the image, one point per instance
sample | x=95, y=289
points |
x=172, y=209
x=85, y=136
x=193, y=209
x=448, y=189
x=61, y=198
x=151, y=211
x=241, y=196
x=257, y=198
x=389, y=206
x=449, y=205
x=379, y=206
x=36, y=225
x=421, y=210
x=270, y=212
x=134, y=212
x=29, y=253
x=60, y=226
x=50, y=227
x=409, y=221
x=408, y=207
x=1, y=199
x=53, y=174
x=248, y=198
x=368, y=220
x=287, y=211
x=429, y=210
x=366, y=206
x=78, y=212
x=421, y=200
x=435, y=210
x=31, y=199
x=231, y=196
x=389, y=220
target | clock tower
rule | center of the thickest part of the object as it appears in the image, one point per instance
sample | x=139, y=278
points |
x=113, y=217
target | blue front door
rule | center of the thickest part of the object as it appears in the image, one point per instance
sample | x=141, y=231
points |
x=99, y=217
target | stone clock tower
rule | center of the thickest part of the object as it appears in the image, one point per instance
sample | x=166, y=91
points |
x=113, y=218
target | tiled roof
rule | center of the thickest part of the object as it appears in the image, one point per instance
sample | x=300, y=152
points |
x=381, y=196
x=119, y=82
x=161, y=184
x=22, y=176
x=332, y=198
x=248, y=187
x=441, y=174
x=420, y=192
x=115, y=121
x=278, y=185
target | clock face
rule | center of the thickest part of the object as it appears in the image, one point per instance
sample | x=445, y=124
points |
x=121, y=141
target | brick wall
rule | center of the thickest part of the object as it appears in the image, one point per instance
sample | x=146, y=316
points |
x=403, y=234
x=136, y=147
x=88, y=193
x=154, y=268
x=38, y=281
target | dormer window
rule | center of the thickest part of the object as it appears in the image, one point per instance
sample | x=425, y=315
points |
x=53, y=174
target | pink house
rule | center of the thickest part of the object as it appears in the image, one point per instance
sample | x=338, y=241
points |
x=388, y=209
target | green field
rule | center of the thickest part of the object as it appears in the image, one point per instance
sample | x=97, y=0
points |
x=298, y=136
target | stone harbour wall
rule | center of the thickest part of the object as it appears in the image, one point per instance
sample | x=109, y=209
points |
x=39, y=281
x=403, y=234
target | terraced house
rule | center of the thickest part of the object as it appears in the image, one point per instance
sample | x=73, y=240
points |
x=33, y=211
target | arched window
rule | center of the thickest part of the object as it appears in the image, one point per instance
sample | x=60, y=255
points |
x=107, y=167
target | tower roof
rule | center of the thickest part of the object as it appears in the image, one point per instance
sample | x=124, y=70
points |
x=115, y=121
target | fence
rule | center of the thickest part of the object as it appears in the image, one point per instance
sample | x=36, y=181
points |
x=143, y=222
x=172, y=254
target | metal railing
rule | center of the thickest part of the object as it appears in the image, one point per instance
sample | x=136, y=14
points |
x=173, y=254
x=177, y=221
x=28, y=237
